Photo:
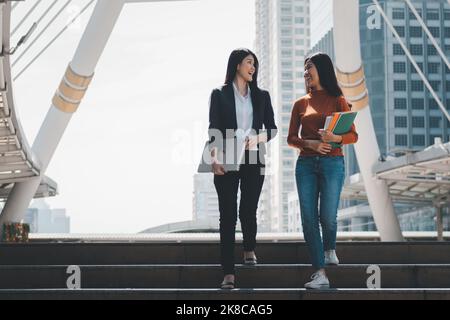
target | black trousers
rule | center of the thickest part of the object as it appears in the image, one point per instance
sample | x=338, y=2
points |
x=250, y=177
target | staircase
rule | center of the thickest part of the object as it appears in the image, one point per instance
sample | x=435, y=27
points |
x=191, y=270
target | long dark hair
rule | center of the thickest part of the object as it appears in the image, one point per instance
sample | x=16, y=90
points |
x=236, y=58
x=325, y=69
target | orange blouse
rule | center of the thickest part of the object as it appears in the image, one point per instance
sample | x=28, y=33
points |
x=310, y=112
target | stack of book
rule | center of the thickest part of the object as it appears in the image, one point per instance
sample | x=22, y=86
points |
x=339, y=123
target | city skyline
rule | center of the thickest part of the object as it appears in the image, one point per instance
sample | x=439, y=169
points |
x=115, y=156
x=283, y=39
x=124, y=163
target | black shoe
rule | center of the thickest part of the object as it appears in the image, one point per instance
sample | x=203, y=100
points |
x=227, y=285
x=250, y=261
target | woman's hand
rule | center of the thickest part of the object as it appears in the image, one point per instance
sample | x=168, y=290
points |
x=218, y=168
x=328, y=136
x=252, y=141
x=319, y=146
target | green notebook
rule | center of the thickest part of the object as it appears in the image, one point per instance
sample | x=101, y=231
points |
x=343, y=125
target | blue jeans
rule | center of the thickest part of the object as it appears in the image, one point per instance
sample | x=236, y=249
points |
x=319, y=177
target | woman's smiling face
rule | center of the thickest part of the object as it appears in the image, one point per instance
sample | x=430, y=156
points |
x=311, y=75
x=246, y=69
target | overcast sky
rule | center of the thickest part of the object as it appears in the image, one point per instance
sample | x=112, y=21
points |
x=127, y=158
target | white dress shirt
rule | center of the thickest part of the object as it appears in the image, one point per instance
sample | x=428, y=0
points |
x=244, y=109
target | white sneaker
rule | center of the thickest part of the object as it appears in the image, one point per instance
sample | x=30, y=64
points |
x=331, y=258
x=319, y=281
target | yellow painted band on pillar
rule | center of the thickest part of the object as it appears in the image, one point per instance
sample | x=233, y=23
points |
x=64, y=105
x=355, y=91
x=354, y=88
x=76, y=79
x=71, y=91
x=348, y=78
x=360, y=103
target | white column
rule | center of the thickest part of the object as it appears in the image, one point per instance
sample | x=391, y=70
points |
x=349, y=66
x=66, y=100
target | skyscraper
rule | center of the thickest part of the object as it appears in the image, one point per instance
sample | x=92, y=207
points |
x=282, y=40
x=43, y=219
x=405, y=116
x=262, y=48
x=321, y=19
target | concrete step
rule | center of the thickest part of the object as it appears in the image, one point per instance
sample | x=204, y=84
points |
x=210, y=276
x=236, y=294
x=208, y=253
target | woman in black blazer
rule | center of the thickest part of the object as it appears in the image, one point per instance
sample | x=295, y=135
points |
x=236, y=107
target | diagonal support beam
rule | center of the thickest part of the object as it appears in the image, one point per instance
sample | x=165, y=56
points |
x=427, y=31
x=411, y=59
x=351, y=77
x=66, y=100
x=64, y=104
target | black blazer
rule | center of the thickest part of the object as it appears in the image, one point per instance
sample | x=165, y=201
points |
x=222, y=113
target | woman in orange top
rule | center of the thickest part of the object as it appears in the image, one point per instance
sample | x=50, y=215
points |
x=320, y=169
